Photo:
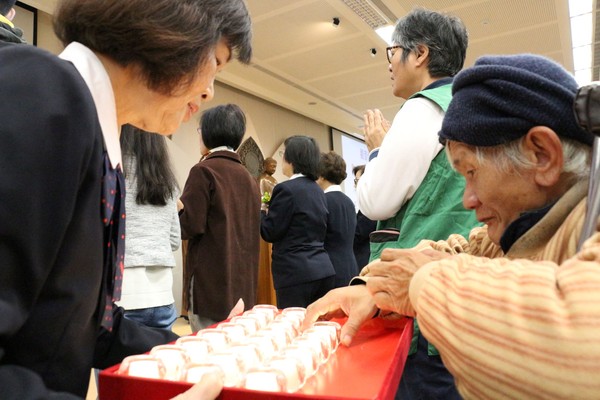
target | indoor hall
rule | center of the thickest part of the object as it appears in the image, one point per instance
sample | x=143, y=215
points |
x=318, y=65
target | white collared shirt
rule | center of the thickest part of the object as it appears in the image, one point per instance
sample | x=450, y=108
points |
x=98, y=82
x=333, y=188
x=296, y=176
x=221, y=148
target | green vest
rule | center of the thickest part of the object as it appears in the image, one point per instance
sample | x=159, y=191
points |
x=436, y=210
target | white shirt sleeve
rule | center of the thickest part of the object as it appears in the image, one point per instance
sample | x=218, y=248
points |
x=392, y=178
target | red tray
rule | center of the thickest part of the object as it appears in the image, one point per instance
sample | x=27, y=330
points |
x=369, y=369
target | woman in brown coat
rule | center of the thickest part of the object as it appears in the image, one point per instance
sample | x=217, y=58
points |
x=220, y=220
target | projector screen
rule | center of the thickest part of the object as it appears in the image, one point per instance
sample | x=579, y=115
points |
x=354, y=151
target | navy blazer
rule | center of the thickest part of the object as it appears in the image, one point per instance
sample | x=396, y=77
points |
x=341, y=226
x=51, y=233
x=296, y=224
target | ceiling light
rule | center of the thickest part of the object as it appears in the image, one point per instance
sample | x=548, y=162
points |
x=385, y=33
x=581, y=39
x=336, y=22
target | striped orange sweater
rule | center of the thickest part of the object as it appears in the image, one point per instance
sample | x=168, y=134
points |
x=513, y=326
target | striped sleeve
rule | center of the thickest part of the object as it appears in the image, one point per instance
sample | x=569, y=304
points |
x=515, y=328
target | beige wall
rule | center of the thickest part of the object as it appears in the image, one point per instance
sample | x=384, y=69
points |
x=267, y=123
x=45, y=37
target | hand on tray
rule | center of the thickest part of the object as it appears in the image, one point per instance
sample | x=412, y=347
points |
x=355, y=302
x=208, y=388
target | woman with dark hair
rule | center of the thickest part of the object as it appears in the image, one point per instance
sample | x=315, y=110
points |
x=220, y=219
x=296, y=224
x=341, y=221
x=148, y=63
x=152, y=228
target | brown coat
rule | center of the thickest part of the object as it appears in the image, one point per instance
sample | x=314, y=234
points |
x=221, y=221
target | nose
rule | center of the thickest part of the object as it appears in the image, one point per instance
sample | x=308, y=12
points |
x=209, y=93
x=470, y=199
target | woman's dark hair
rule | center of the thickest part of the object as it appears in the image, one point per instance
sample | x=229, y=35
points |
x=154, y=176
x=332, y=167
x=358, y=168
x=445, y=36
x=169, y=41
x=223, y=125
x=303, y=153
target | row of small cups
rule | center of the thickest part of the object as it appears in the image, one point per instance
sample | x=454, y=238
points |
x=261, y=349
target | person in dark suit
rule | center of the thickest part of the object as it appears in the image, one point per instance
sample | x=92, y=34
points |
x=364, y=227
x=296, y=224
x=341, y=223
x=61, y=183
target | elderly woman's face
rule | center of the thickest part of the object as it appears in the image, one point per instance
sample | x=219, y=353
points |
x=497, y=197
x=164, y=114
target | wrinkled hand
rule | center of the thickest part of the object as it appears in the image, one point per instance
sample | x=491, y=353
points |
x=352, y=301
x=375, y=128
x=208, y=388
x=388, y=280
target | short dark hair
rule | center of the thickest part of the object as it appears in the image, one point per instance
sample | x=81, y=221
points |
x=303, y=153
x=155, y=180
x=359, y=168
x=332, y=167
x=169, y=41
x=444, y=35
x=223, y=125
x=6, y=5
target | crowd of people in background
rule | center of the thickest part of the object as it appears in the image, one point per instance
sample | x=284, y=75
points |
x=476, y=240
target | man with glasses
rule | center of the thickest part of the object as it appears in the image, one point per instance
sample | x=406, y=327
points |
x=425, y=199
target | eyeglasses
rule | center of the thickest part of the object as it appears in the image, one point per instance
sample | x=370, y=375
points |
x=390, y=51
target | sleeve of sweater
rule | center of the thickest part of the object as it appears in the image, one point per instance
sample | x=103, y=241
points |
x=175, y=234
x=515, y=328
x=478, y=244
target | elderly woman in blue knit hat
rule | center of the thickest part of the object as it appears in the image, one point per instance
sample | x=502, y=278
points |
x=514, y=309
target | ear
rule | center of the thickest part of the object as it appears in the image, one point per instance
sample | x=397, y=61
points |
x=422, y=53
x=544, y=149
x=11, y=14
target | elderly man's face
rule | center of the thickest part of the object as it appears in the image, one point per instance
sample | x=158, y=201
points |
x=497, y=197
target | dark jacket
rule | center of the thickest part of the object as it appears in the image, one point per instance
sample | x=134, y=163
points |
x=341, y=225
x=51, y=233
x=296, y=224
x=220, y=220
x=362, y=245
x=10, y=34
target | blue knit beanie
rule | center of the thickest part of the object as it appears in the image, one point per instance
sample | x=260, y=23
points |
x=501, y=97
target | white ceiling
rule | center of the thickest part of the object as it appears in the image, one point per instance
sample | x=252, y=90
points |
x=301, y=62
x=300, y=58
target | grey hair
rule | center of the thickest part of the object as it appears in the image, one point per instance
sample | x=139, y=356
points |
x=509, y=158
x=445, y=35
